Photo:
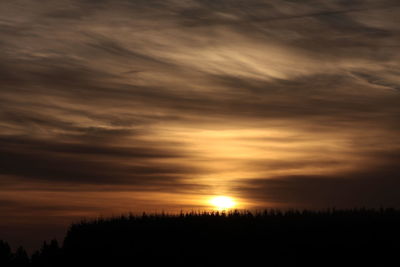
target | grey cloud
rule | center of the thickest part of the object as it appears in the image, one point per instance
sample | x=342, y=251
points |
x=379, y=80
x=375, y=185
x=46, y=160
x=81, y=148
x=18, y=207
x=90, y=74
x=123, y=99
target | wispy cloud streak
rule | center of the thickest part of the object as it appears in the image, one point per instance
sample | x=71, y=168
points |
x=121, y=104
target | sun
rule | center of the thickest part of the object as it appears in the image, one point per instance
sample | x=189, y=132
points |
x=222, y=202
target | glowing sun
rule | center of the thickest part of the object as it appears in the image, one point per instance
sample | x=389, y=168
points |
x=222, y=202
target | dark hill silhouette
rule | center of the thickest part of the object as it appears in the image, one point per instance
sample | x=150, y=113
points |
x=269, y=238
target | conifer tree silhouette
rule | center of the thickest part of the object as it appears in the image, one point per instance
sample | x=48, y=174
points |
x=358, y=237
x=5, y=253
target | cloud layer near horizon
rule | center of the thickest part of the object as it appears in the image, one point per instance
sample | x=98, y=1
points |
x=111, y=106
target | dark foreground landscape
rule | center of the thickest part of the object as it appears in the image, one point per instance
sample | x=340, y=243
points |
x=269, y=238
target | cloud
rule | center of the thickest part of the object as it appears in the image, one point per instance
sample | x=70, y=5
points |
x=291, y=100
x=375, y=185
x=130, y=105
x=91, y=163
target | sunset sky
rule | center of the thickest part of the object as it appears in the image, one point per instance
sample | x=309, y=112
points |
x=116, y=106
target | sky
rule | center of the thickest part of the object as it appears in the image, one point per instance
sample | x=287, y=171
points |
x=116, y=106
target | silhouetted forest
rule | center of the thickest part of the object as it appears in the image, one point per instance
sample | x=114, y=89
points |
x=237, y=238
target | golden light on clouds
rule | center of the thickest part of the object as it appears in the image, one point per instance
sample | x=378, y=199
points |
x=222, y=202
x=125, y=105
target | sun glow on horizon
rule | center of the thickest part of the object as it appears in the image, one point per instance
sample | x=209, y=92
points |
x=223, y=202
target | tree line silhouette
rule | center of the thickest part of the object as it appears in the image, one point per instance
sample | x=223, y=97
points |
x=234, y=238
